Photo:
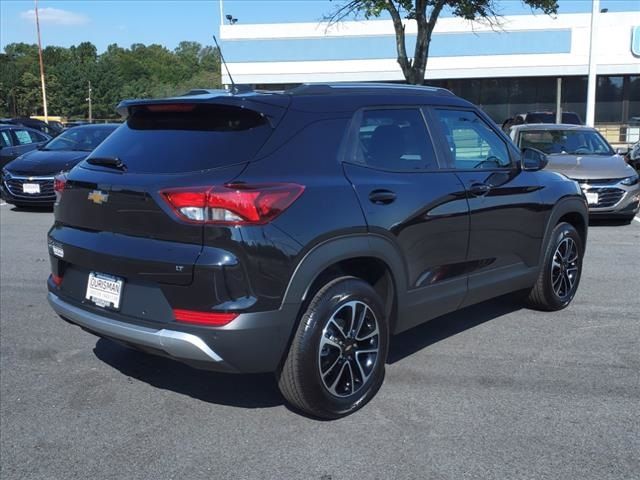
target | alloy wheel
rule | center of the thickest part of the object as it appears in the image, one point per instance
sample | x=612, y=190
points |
x=349, y=348
x=564, y=267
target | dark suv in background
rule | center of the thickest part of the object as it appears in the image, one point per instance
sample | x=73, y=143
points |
x=294, y=232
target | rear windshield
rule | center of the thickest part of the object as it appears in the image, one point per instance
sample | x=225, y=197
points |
x=185, y=138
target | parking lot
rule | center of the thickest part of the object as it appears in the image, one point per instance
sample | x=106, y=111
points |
x=491, y=392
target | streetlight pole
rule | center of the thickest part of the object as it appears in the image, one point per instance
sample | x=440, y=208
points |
x=89, y=100
x=592, y=78
x=44, y=90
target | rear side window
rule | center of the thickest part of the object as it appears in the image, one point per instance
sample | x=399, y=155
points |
x=394, y=139
x=473, y=144
x=23, y=137
x=185, y=138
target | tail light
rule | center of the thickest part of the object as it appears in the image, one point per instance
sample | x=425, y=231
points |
x=57, y=279
x=236, y=204
x=59, y=183
x=213, y=319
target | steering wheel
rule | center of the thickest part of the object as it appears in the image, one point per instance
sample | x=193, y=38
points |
x=582, y=149
x=491, y=159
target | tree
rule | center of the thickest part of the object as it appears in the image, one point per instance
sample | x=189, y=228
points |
x=115, y=74
x=426, y=13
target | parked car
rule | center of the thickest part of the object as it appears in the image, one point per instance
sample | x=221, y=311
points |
x=611, y=186
x=75, y=123
x=51, y=129
x=568, y=118
x=16, y=140
x=294, y=232
x=28, y=180
x=632, y=156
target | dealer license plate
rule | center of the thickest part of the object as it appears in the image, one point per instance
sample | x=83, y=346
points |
x=30, y=188
x=592, y=198
x=104, y=290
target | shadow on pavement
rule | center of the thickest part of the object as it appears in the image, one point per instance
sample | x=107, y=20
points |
x=409, y=342
x=608, y=222
x=247, y=391
x=261, y=390
x=32, y=209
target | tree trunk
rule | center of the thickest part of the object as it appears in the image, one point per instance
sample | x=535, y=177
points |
x=414, y=70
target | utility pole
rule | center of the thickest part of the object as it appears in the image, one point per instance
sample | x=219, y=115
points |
x=592, y=78
x=89, y=100
x=44, y=90
x=559, y=100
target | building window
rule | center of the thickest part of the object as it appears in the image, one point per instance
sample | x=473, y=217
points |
x=609, y=96
x=634, y=97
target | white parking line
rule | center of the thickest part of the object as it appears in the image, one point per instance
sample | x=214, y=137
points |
x=637, y=219
x=2, y=204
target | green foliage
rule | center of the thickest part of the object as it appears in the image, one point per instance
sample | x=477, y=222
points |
x=426, y=14
x=118, y=73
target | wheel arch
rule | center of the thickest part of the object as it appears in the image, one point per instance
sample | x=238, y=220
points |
x=572, y=210
x=372, y=258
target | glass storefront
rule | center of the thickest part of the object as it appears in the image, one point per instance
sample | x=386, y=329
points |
x=617, y=97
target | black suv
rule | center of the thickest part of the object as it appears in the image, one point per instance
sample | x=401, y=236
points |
x=294, y=232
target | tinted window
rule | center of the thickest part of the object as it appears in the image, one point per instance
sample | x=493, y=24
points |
x=37, y=137
x=23, y=137
x=394, y=139
x=473, y=144
x=541, y=118
x=83, y=139
x=579, y=142
x=186, y=138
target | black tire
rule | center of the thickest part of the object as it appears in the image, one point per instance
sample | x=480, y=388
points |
x=300, y=379
x=548, y=294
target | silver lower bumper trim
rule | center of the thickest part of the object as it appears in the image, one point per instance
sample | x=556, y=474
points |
x=176, y=344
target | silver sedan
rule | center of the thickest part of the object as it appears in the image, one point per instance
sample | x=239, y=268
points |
x=610, y=185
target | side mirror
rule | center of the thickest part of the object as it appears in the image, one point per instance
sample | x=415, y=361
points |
x=622, y=151
x=533, y=160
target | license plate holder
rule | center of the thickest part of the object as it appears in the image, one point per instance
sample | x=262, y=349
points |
x=592, y=198
x=104, y=290
x=31, y=188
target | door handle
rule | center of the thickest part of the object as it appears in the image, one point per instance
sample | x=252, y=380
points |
x=479, y=189
x=382, y=197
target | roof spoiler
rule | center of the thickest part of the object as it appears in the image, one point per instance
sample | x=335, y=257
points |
x=272, y=106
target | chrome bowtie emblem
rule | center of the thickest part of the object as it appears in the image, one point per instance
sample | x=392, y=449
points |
x=98, y=197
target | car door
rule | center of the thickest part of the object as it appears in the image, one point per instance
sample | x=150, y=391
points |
x=7, y=150
x=506, y=224
x=406, y=197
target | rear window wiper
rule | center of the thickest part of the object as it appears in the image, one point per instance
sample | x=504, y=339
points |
x=111, y=162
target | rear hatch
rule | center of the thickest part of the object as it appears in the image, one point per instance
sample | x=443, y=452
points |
x=111, y=215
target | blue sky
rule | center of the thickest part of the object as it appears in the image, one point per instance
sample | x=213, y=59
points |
x=102, y=22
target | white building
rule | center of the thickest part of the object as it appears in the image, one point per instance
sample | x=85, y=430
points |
x=507, y=70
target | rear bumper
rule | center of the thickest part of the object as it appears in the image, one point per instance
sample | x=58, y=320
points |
x=175, y=344
x=253, y=342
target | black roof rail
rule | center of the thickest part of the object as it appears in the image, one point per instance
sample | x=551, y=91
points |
x=239, y=88
x=329, y=88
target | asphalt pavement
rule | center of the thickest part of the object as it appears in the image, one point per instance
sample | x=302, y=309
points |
x=492, y=392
